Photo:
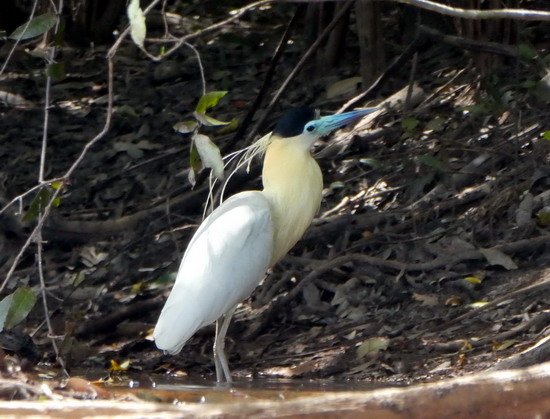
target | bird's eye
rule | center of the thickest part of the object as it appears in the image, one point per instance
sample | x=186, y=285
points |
x=310, y=128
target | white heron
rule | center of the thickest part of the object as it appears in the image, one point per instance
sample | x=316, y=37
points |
x=247, y=234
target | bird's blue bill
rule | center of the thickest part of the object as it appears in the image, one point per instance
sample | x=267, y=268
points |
x=331, y=122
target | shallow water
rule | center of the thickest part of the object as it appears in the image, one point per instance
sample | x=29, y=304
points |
x=142, y=395
x=175, y=389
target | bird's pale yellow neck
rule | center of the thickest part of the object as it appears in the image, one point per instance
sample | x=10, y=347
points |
x=293, y=183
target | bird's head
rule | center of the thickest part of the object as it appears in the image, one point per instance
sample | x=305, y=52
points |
x=304, y=125
x=301, y=126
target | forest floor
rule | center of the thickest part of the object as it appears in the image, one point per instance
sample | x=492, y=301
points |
x=429, y=258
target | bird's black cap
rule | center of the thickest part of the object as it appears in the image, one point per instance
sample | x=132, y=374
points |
x=293, y=121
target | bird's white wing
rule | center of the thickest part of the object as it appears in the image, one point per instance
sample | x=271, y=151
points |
x=225, y=260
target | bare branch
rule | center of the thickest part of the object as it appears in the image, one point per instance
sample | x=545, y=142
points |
x=475, y=14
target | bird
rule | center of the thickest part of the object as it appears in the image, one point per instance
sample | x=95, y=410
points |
x=233, y=248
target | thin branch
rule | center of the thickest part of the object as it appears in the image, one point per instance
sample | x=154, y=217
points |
x=39, y=247
x=45, y=126
x=201, y=68
x=474, y=14
x=45, y=302
x=51, y=59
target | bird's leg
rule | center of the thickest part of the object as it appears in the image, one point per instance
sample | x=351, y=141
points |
x=219, y=374
x=220, y=360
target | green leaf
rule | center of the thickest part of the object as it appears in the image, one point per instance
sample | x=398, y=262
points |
x=546, y=135
x=41, y=200
x=209, y=100
x=195, y=164
x=529, y=84
x=230, y=127
x=409, y=124
x=194, y=158
x=474, y=280
x=505, y=345
x=435, y=124
x=79, y=278
x=478, y=109
x=56, y=185
x=56, y=71
x=37, y=204
x=527, y=52
x=432, y=162
x=15, y=307
x=543, y=217
x=23, y=301
x=37, y=26
x=126, y=110
x=60, y=33
x=208, y=120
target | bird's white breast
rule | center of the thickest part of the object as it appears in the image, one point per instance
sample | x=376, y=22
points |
x=224, y=261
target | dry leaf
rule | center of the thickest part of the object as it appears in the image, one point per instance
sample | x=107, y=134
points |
x=343, y=87
x=496, y=257
x=138, y=30
x=429, y=300
x=210, y=154
x=372, y=346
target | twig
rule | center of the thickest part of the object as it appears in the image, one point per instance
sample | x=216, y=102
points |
x=470, y=44
x=201, y=68
x=407, y=105
x=51, y=333
x=45, y=125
